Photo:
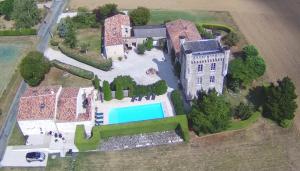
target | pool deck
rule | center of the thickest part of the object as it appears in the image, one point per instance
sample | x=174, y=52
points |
x=106, y=106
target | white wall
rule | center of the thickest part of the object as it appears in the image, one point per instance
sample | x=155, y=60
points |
x=70, y=127
x=35, y=126
x=114, y=51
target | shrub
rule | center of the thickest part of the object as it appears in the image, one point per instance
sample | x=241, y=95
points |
x=177, y=102
x=243, y=111
x=160, y=87
x=25, y=13
x=126, y=81
x=54, y=42
x=286, y=123
x=6, y=8
x=178, y=123
x=105, y=11
x=205, y=34
x=141, y=49
x=34, y=67
x=104, y=64
x=96, y=83
x=250, y=50
x=119, y=91
x=18, y=32
x=84, y=19
x=149, y=43
x=225, y=28
x=231, y=39
x=73, y=70
x=140, y=16
x=84, y=47
x=106, y=91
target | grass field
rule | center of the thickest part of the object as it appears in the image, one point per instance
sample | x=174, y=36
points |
x=91, y=37
x=16, y=137
x=264, y=146
x=59, y=77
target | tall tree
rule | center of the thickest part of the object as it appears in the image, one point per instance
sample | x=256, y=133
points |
x=210, y=113
x=106, y=91
x=25, y=13
x=105, y=11
x=280, y=102
x=140, y=16
x=6, y=8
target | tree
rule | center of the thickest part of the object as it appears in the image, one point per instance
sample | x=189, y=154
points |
x=25, y=13
x=105, y=11
x=140, y=16
x=96, y=83
x=256, y=66
x=160, y=87
x=64, y=27
x=210, y=113
x=231, y=39
x=34, y=67
x=6, y=8
x=141, y=49
x=243, y=111
x=250, y=50
x=149, y=43
x=280, y=102
x=106, y=91
x=126, y=81
x=119, y=91
x=177, y=102
x=84, y=47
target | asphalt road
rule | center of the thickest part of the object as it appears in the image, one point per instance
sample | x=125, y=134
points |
x=44, y=35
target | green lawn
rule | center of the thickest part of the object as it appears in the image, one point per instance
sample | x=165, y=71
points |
x=159, y=16
x=235, y=125
x=90, y=36
x=16, y=137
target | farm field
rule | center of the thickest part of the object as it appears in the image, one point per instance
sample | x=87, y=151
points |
x=264, y=146
x=272, y=25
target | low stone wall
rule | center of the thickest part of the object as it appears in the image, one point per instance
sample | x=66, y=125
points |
x=140, y=140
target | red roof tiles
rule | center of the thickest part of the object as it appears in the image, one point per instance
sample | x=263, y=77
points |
x=38, y=103
x=66, y=109
x=113, y=29
x=181, y=28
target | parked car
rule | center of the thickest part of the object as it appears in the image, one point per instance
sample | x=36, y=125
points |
x=35, y=156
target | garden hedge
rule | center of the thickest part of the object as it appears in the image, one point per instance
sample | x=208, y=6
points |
x=106, y=131
x=217, y=26
x=73, y=70
x=177, y=102
x=19, y=32
x=104, y=64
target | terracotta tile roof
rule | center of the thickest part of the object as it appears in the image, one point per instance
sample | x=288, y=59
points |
x=113, y=29
x=181, y=28
x=66, y=108
x=38, y=103
x=88, y=114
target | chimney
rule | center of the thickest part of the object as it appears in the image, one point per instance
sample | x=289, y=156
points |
x=181, y=40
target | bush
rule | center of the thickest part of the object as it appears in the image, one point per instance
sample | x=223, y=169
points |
x=231, y=39
x=225, y=28
x=104, y=64
x=6, y=8
x=106, y=91
x=126, y=81
x=177, y=102
x=54, y=42
x=73, y=70
x=160, y=87
x=286, y=123
x=140, y=16
x=105, y=11
x=119, y=91
x=243, y=111
x=102, y=132
x=141, y=49
x=250, y=50
x=205, y=34
x=96, y=83
x=25, y=13
x=34, y=67
x=18, y=32
x=149, y=43
x=84, y=19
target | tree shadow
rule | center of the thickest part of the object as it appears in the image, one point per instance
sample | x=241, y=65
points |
x=257, y=96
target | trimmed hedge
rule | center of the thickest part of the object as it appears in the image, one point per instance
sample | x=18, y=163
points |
x=19, y=32
x=158, y=88
x=106, y=131
x=177, y=102
x=104, y=64
x=73, y=70
x=217, y=26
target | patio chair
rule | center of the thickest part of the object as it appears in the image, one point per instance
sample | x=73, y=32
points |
x=153, y=97
x=132, y=99
x=148, y=97
x=140, y=98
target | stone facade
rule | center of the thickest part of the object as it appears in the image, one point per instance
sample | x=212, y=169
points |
x=204, y=65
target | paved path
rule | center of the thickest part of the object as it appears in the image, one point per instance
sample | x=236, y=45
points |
x=43, y=33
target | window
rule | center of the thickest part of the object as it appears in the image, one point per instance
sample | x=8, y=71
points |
x=213, y=66
x=200, y=68
x=126, y=30
x=212, y=79
x=199, y=80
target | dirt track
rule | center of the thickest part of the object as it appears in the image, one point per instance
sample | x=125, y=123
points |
x=272, y=25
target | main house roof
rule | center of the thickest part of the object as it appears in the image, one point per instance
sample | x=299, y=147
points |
x=183, y=28
x=113, y=29
x=38, y=103
x=202, y=46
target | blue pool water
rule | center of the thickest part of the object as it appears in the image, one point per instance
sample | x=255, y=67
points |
x=135, y=113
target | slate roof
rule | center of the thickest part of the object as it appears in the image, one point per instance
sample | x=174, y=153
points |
x=202, y=46
x=113, y=29
x=181, y=28
x=149, y=31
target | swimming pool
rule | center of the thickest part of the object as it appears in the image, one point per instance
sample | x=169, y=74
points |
x=135, y=113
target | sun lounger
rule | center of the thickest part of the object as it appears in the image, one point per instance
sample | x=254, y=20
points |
x=140, y=98
x=148, y=97
x=153, y=97
x=132, y=99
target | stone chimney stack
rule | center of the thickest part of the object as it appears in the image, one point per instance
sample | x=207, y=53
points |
x=181, y=40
